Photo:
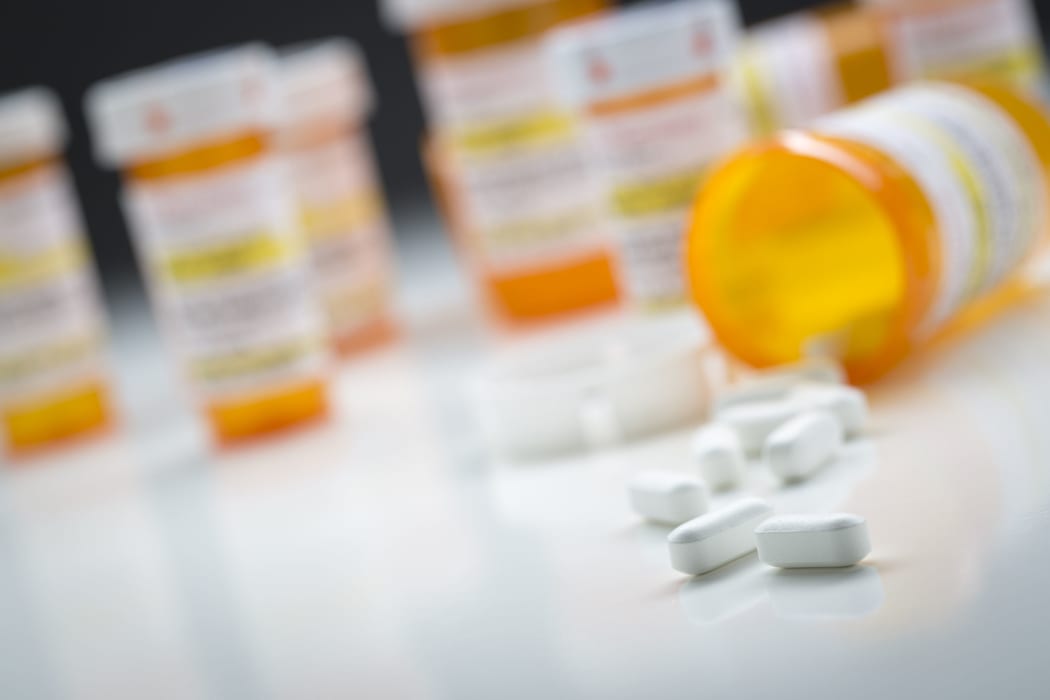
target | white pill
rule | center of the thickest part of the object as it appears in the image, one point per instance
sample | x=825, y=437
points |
x=715, y=539
x=667, y=497
x=813, y=541
x=753, y=422
x=717, y=451
x=847, y=404
x=804, y=444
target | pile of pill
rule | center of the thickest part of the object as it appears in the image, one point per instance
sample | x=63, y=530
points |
x=795, y=421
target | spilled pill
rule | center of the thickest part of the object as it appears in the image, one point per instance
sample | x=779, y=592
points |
x=813, y=541
x=717, y=451
x=667, y=497
x=754, y=421
x=713, y=540
x=802, y=445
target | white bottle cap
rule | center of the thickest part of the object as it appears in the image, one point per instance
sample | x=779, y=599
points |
x=31, y=125
x=415, y=14
x=621, y=387
x=325, y=80
x=642, y=48
x=172, y=106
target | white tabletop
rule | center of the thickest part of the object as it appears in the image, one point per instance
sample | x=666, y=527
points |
x=386, y=555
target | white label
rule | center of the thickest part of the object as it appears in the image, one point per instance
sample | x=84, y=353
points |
x=991, y=38
x=346, y=230
x=651, y=160
x=977, y=171
x=512, y=156
x=787, y=73
x=227, y=272
x=51, y=322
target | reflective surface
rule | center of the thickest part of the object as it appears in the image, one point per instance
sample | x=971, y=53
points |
x=384, y=555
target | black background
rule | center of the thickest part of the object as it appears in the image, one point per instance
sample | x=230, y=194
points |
x=69, y=45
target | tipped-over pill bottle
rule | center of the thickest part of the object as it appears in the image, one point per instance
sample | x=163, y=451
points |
x=217, y=236
x=963, y=39
x=504, y=155
x=873, y=231
x=324, y=141
x=651, y=89
x=796, y=68
x=53, y=376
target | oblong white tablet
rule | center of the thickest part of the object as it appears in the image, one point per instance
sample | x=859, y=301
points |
x=804, y=444
x=717, y=451
x=667, y=497
x=846, y=403
x=713, y=540
x=754, y=421
x=813, y=541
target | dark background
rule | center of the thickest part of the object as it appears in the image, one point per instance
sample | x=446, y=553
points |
x=69, y=45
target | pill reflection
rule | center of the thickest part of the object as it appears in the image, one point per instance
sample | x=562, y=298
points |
x=824, y=594
x=724, y=593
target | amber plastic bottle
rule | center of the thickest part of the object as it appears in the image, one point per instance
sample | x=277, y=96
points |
x=873, y=232
x=505, y=158
x=54, y=383
x=217, y=236
x=324, y=140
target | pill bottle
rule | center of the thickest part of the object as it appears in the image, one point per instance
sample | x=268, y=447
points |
x=214, y=225
x=796, y=68
x=878, y=228
x=504, y=155
x=53, y=375
x=651, y=89
x=963, y=39
x=324, y=141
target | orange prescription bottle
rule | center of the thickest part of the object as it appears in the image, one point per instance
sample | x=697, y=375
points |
x=53, y=376
x=323, y=137
x=504, y=155
x=796, y=68
x=873, y=231
x=650, y=86
x=216, y=234
x=972, y=39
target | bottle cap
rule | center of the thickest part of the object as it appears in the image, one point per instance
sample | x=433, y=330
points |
x=642, y=48
x=613, y=388
x=325, y=80
x=31, y=125
x=415, y=14
x=172, y=106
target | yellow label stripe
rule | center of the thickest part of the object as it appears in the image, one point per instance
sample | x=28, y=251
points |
x=253, y=361
x=245, y=254
x=535, y=129
x=656, y=196
x=24, y=270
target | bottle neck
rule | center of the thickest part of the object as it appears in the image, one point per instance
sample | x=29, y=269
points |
x=202, y=158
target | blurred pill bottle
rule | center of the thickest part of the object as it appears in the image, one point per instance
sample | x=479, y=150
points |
x=652, y=91
x=796, y=68
x=53, y=375
x=216, y=233
x=879, y=228
x=504, y=155
x=324, y=139
x=972, y=39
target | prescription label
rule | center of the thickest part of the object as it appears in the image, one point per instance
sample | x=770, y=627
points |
x=651, y=158
x=787, y=74
x=976, y=169
x=995, y=39
x=344, y=222
x=513, y=157
x=51, y=320
x=227, y=271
